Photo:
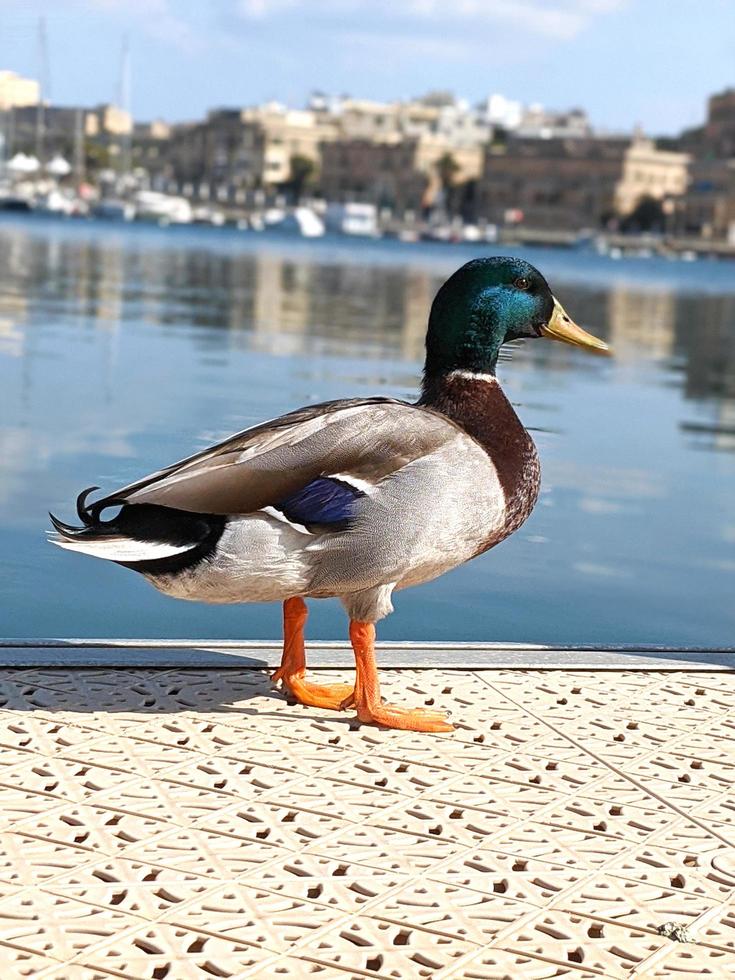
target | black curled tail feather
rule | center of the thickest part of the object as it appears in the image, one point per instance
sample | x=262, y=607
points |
x=89, y=515
x=84, y=510
x=192, y=536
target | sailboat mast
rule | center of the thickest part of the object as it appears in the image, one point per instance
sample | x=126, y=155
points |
x=123, y=101
x=43, y=94
x=78, y=146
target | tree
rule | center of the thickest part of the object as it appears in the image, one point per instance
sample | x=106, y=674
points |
x=647, y=215
x=446, y=170
x=301, y=173
x=96, y=156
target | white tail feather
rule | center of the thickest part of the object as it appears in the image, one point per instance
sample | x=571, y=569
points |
x=120, y=548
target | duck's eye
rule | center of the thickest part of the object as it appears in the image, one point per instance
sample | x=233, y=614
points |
x=521, y=283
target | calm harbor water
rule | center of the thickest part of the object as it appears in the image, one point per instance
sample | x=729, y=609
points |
x=123, y=348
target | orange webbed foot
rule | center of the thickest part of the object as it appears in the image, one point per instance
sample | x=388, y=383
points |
x=315, y=695
x=366, y=696
x=292, y=672
x=408, y=719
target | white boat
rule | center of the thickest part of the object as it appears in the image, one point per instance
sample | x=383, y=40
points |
x=309, y=222
x=471, y=233
x=204, y=215
x=353, y=218
x=166, y=209
x=23, y=164
x=56, y=202
x=273, y=217
x=14, y=200
x=302, y=220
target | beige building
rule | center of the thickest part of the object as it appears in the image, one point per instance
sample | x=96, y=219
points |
x=109, y=120
x=362, y=119
x=433, y=116
x=650, y=172
x=17, y=91
x=284, y=134
x=236, y=150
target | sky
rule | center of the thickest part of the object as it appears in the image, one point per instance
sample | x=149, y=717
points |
x=628, y=62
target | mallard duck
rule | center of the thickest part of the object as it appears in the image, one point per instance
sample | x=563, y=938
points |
x=353, y=498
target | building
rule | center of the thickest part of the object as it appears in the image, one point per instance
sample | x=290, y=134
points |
x=363, y=119
x=650, y=173
x=238, y=150
x=707, y=208
x=382, y=173
x=533, y=121
x=715, y=138
x=403, y=174
x=555, y=184
x=149, y=148
x=498, y=111
x=107, y=120
x=539, y=123
x=235, y=152
x=285, y=134
x=574, y=183
x=17, y=91
x=55, y=130
x=718, y=136
x=404, y=156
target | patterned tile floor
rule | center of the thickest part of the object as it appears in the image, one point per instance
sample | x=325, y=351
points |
x=192, y=824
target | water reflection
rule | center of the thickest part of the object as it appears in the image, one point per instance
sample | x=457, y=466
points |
x=107, y=279
x=121, y=349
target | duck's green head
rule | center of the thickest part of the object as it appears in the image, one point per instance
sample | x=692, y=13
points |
x=487, y=303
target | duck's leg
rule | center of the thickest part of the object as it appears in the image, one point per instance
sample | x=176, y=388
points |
x=293, y=663
x=366, y=696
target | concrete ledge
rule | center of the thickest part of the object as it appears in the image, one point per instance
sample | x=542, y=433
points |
x=262, y=654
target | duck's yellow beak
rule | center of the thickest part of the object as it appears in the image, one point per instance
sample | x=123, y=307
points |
x=562, y=327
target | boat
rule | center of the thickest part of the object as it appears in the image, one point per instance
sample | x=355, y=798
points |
x=204, y=215
x=14, y=202
x=56, y=202
x=352, y=218
x=301, y=221
x=165, y=209
x=309, y=222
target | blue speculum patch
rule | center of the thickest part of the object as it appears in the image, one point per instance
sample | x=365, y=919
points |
x=323, y=501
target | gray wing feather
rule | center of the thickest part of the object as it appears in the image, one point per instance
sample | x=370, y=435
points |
x=368, y=438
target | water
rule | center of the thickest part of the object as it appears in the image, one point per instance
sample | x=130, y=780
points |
x=125, y=348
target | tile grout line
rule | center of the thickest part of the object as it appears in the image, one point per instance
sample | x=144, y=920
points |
x=632, y=779
x=375, y=752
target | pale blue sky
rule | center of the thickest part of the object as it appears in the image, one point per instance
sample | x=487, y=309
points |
x=627, y=61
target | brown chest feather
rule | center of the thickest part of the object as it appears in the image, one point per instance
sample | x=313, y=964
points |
x=482, y=410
